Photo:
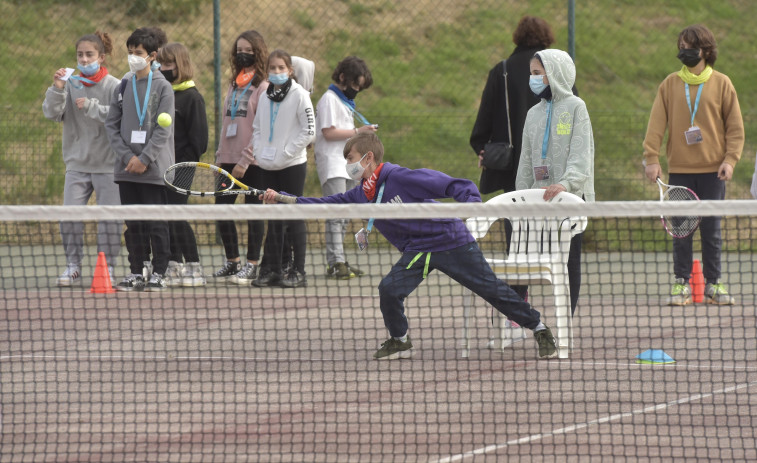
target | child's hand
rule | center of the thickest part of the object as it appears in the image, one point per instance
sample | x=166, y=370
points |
x=135, y=166
x=481, y=159
x=725, y=172
x=269, y=197
x=80, y=102
x=552, y=191
x=238, y=171
x=368, y=128
x=58, y=82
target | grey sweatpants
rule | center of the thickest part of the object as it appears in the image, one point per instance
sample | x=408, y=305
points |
x=77, y=190
x=336, y=228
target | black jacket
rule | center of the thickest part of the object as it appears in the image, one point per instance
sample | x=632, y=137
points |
x=191, y=126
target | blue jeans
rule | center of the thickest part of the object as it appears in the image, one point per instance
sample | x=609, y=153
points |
x=706, y=186
x=466, y=265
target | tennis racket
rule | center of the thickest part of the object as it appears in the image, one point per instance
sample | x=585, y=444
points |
x=678, y=226
x=201, y=179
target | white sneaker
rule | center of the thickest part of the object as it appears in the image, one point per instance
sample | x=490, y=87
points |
x=173, y=276
x=71, y=275
x=192, y=275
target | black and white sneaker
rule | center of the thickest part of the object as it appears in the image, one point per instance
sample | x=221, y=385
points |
x=132, y=282
x=157, y=283
x=229, y=268
x=245, y=276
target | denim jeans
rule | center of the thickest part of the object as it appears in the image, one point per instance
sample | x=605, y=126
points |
x=466, y=265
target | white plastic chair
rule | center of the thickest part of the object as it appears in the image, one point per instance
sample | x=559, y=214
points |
x=538, y=256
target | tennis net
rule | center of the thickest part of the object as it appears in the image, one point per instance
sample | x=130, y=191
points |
x=235, y=372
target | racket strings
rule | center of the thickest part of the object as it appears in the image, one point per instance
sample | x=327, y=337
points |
x=199, y=179
x=680, y=226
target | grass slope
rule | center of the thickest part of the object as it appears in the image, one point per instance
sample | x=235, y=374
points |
x=429, y=60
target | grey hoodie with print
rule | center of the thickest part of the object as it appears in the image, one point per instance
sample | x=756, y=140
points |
x=157, y=153
x=569, y=157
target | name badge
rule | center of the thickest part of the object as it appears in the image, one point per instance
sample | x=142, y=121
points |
x=138, y=136
x=231, y=130
x=541, y=172
x=361, y=238
x=693, y=135
x=269, y=153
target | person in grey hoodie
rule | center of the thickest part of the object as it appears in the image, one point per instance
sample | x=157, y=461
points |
x=144, y=150
x=81, y=102
x=558, y=144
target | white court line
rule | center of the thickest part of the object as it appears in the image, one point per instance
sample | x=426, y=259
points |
x=603, y=420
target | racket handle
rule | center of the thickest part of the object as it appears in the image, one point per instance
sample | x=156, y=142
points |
x=286, y=199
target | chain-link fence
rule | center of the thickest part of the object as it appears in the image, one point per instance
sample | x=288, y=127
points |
x=429, y=60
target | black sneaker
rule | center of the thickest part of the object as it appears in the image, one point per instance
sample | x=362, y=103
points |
x=229, y=268
x=267, y=278
x=132, y=282
x=294, y=279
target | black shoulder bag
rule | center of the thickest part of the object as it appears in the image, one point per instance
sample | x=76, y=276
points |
x=499, y=155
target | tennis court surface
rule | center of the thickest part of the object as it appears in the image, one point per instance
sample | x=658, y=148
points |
x=237, y=373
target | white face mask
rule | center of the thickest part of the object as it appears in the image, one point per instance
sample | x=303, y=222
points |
x=136, y=63
x=355, y=170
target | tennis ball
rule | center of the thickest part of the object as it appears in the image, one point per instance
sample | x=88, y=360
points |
x=164, y=119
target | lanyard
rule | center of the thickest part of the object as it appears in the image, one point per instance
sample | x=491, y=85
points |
x=80, y=79
x=696, y=103
x=236, y=99
x=378, y=201
x=545, y=141
x=274, y=115
x=141, y=112
x=355, y=113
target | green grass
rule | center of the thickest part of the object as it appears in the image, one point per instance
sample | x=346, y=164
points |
x=429, y=68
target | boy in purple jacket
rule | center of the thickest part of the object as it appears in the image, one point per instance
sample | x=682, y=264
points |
x=426, y=244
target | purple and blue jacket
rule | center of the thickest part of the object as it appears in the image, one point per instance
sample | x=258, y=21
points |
x=403, y=185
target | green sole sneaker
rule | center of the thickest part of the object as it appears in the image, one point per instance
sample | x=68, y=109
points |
x=392, y=349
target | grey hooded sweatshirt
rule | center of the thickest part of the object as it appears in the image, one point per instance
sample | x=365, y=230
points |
x=157, y=153
x=569, y=157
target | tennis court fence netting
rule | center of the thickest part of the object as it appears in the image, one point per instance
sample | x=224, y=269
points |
x=227, y=371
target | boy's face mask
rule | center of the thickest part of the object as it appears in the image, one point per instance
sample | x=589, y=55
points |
x=136, y=63
x=689, y=56
x=355, y=170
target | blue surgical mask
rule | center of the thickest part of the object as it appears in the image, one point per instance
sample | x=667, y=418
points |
x=154, y=66
x=90, y=69
x=278, y=79
x=537, y=84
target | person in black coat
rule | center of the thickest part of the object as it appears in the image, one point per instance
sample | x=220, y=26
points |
x=191, y=141
x=531, y=35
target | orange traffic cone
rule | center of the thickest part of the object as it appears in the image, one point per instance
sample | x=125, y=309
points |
x=697, y=282
x=101, y=282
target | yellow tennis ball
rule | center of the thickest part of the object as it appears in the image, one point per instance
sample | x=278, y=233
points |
x=164, y=119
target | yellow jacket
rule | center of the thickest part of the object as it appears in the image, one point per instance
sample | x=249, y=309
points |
x=718, y=117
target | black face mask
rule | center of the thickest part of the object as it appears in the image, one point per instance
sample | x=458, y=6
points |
x=170, y=74
x=689, y=56
x=244, y=60
x=350, y=92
